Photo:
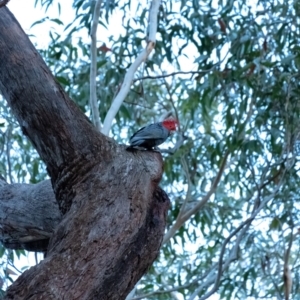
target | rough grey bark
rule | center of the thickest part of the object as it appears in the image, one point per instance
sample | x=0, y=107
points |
x=114, y=213
x=28, y=216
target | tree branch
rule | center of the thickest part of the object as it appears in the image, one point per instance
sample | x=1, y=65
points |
x=28, y=216
x=52, y=121
x=184, y=216
x=212, y=190
x=179, y=142
x=184, y=286
x=244, y=226
x=93, y=70
x=172, y=74
x=151, y=40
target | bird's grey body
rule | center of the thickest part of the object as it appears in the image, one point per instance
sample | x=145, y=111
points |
x=150, y=136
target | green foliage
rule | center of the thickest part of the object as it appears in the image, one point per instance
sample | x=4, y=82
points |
x=241, y=99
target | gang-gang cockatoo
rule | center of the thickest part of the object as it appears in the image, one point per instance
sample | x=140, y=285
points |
x=153, y=135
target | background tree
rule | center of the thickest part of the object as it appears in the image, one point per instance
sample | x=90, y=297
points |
x=229, y=73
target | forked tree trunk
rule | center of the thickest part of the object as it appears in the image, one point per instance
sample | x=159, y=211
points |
x=112, y=211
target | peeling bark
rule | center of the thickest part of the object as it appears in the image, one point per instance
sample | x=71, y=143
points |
x=112, y=213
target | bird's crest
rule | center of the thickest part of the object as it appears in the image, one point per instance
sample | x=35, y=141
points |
x=170, y=123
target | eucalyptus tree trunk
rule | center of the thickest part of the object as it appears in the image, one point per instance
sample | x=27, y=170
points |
x=102, y=217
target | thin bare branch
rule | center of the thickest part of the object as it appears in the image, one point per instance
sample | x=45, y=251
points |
x=176, y=288
x=179, y=143
x=172, y=74
x=93, y=69
x=213, y=188
x=244, y=226
x=178, y=223
x=184, y=216
x=172, y=101
x=151, y=40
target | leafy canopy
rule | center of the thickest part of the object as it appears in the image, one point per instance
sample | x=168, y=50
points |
x=229, y=73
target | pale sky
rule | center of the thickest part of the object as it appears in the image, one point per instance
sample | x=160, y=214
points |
x=27, y=14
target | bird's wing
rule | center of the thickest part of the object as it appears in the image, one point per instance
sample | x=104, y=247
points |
x=151, y=131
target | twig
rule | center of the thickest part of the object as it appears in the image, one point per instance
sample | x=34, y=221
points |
x=93, y=69
x=172, y=101
x=230, y=259
x=179, y=143
x=174, y=289
x=172, y=74
x=220, y=264
x=178, y=222
x=246, y=223
x=269, y=274
x=117, y=102
x=185, y=216
x=213, y=188
x=203, y=72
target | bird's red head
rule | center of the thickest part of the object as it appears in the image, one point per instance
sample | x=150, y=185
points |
x=170, y=124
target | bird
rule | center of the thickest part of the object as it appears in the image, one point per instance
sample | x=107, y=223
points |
x=152, y=135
